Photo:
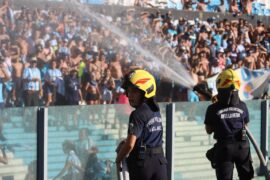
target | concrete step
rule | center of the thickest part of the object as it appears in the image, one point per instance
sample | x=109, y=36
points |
x=191, y=162
x=195, y=168
x=185, y=123
x=190, y=133
x=15, y=168
x=180, y=144
x=15, y=175
x=180, y=128
x=191, y=149
x=188, y=156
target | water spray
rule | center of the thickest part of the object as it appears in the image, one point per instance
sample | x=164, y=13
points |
x=179, y=76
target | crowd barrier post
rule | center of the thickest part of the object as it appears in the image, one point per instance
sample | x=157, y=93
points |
x=170, y=109
x=42, y=143
x=264, y=133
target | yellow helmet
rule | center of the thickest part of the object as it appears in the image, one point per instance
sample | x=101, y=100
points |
x=142, y=80
x=228, y=79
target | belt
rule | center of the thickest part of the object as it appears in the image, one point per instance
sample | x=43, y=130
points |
x=140, y=153
x=155, y=150
x=227, y=140
x=230, y=139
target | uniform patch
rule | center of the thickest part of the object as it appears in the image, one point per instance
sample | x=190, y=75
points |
x=131, y=126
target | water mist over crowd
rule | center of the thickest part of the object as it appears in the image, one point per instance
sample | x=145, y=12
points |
x=163, y=64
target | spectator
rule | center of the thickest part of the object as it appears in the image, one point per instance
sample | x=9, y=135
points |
x=85, y=147
x=107, y=87
x=72, y=166
x=51, y=78
x=3, y=158
x=201, y=5
x=8, y=84
x=76, y=43
x=60, y=84
x=72, y=88
x=87, y=152
x=17, y=73
x=221, y=58
x=117, y=74
x=215, y=68
x=64, y=49
x=32, y=83
x=4, y=77
x=187, y=4
x=234, y=7
x=92, y=88
x=222, y=7
x=192, y=96
x=247, y=6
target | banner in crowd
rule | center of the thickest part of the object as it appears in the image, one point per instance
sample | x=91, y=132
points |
x=253, y=83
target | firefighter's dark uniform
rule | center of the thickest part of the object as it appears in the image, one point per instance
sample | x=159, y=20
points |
x=232, y=145
x=146, y=161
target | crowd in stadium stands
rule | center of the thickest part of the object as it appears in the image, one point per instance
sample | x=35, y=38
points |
x=54, y=56
x=234, y=6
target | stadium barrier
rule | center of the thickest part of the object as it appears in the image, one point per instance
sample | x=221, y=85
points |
x=34, y=136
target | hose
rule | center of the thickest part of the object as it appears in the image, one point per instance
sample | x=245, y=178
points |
x=259, y=153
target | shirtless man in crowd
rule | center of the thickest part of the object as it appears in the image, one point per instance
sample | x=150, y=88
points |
x=102, y=64
x=3, y=34
x=247, y=6
x=96, y=68
x=92, y=89
x=249, y=61
x=17, y=80
x=23, y=45
x=116, y=68
x=75, y=58
x=117, y=73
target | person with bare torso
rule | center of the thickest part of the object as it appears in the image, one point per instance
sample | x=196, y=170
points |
x=17, y=81
x=187, y=4
x=92, y=88
x=102, y=64
x=203, y=64
x=116, y=70
x=76, y=57
x=3, y=10
x=234, y=7
x=107, y=85
x=24, y=47
x=201, y=5
x=96, y=68
x=117, y=74
x=249, y=61
x=4, y=77
x=247, y=6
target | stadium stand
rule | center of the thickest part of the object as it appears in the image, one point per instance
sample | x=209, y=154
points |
x=107, y=127
x=15, y=169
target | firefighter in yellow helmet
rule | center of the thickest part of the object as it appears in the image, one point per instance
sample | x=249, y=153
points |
x=144, y=141
x=227, y=119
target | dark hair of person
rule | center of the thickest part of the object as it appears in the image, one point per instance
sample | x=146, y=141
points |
x=68, y=145
x=152, y=104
